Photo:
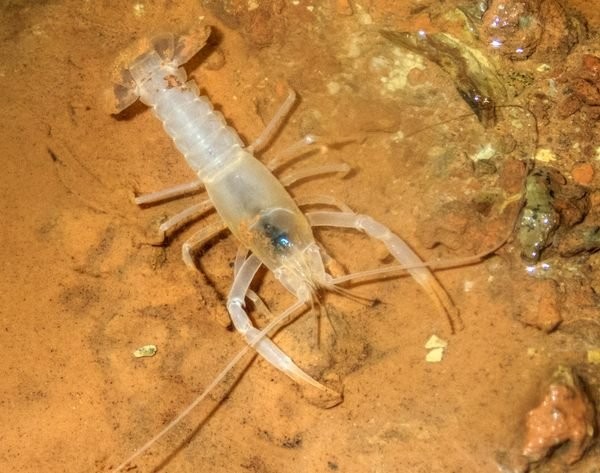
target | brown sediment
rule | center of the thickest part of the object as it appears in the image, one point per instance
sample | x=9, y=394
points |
x=82, y=289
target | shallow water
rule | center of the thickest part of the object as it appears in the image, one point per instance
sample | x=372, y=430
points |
x=82, y=286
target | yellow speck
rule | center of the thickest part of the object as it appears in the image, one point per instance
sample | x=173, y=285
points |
x=545, y=155
x=468, y=286
x=484, y=153
x=435, y=355
x=436, y=347
x=145, y=351
x=363, y=17
x=333, y=87
x=593, y=356
x=138, y=9
x=397, y=137
x=435, y=342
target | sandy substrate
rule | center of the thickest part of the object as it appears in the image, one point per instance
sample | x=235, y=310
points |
x=82, y=285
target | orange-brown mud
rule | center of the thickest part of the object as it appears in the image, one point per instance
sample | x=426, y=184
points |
x=82, y=287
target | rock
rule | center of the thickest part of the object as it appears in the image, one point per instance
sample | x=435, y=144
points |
x=260, y=23
x=551, y=202
x=583, y=173
x=453, y=224
x=581, y=90
x=582, y=238
x=586, y=91
x=215, y=60
x=564, y=415
x=568, y=106
x=538, y=304
x=590, y=67
x=514, y=28
x=512, y=174
x=519, y=28
x=343, y=7
x=539, y=220
x=573, y=204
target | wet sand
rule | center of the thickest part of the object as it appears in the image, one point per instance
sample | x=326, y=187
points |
x=83, y=286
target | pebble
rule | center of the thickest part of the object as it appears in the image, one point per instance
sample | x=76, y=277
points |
x=582, y=173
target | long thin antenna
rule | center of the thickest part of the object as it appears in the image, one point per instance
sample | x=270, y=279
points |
x=279, y=320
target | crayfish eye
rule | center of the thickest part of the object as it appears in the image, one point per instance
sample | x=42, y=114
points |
x=280, y=239
x=279, y=234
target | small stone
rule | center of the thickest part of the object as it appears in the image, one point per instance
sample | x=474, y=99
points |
x=435, y=342
x=591, y=67
x=215, y=60
x=582, y=173
x=453, y=224
x=593, y=356
x=545, y=155
x=569, y=106
x=548, y=314
x=511, y=176
x=435, y=355
x=540, y=305
x=436, y=347
x=582, y=238
x=145, y=351
x=343, y=7
x=572, y=202
x=595, y=199
x=586, y=91
x=333, y=87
